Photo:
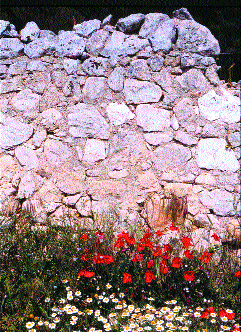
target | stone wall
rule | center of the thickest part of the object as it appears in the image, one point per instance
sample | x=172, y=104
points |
x=104, y=115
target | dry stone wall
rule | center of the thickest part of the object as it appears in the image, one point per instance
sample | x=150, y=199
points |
x=103, y=115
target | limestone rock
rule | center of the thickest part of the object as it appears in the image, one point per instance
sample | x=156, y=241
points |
x=71, y=65
x=132, y=45
x=234, y=229
x=156, y=62
x=139, y=69
x=72, y=89
x=10, y=48
x=180, y=189
x=163, y=37
x=83, y=206
x=27, y=102
x=97, y=42
x=151, y=118
x=95, y=88
x=11, y=85
x=206, y=178
x=70, y=44
x=137, y=92
x=151, y=23
x=27, y=186
x=225, y=108
x=170, y=156
x=26, y=157
x=3, y=71
x=192, y=80
x=95, y=150
x=30, y=32
x=106, y=20
x=130, y=23
x=40, y=46
x=194, y=37
x=185, y=114
x=149, y=180
x=50, y=195
x=86, y=28
x=212, y=76
x=95, y=66
x=213, y=129
x=164, y=79
x=70, y=183
x=185, y=139
x=220, y=201
x=38, y=137
x=59, y=78
x=158, y=138
x=18, y=68
x=114, y=44
x=13, y=132
x=71, y=200
x=50, y=119
x=182, y=14
x=119, y=113
x=118, y=174
x=116, y=79
x=212, y=154
x=85, y=121
x=57, y=153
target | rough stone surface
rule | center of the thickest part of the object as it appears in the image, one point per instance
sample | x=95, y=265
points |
x=164, y=79
x=40, y=46
x=163, y=37
x=158, y=138
x=130, y=23
x=151, y=118
x=119, y=113
x=27, y=102
x=10, y=48
x=26, y=157
x=220, y=201
x=70, y=44
x=193, y=79
x=95, y=66
x=185, y=139
x=116, y=79
x=137, y=92
x=156, y=62
x=95, y=89
x=139, y=69
x=151, y=23
x=71, y=65
x=30, y=32
x=95, y=150
x=86, y=28
x=97, y=42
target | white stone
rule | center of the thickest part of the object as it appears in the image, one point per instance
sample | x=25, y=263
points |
x=119, y=113
x=212, y=154
x=152, y=119
x=174, y=122
x=26, y=157
x=225, y=108
x=95, y=150
x=220, y=201
x=28, y=102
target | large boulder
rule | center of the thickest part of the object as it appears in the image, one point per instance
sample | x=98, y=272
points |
x=70, y=44
x=10, y=48
x=30, y=32
x=151, y=23
x=163, y=37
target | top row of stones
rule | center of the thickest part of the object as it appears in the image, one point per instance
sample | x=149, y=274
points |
x=157, y=30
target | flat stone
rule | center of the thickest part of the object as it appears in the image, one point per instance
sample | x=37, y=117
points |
x=27, y=186
x=118, y=174
x=185, y=115
x=185, y=139
x=36, y=65
x=30, y=32
x=38, y=137
x=152, y=119
x=95, y=150
x=50, y=195
x=86, y=28
x=163, y=37
x=137, y=92
x=27, y=102
x=130, y=23
x=139, y=69
x=212, y=154
x=174, y=122
x=40, y=47
x=59, y=78
x=226, y=108
x=220, y=201
x=83, y=206
x=132, y=45
x=206, y=178
x=156, y=62
x=56, y=152
x=71, y=65
x=69, y=44
x=170, y=156
x=196, y=38
x=97, y=41
x=71, y=200
x=71, y=183
x=213, y=130
x=114, y=44
x=164, y=79
x=50, y=119
x=116, y=79
x=26, y=157
x=95, y=66
x=234, y=139
x=10, y=48
x=85, y=121
x=95, y=89
x=151, y=23
x=193, y=79
x=158, y=138
x=212, y=75
x=119, y=113
x=11, y=85
x=180, y=189
x=148, y=180
x=13, y=132
x=17, y=68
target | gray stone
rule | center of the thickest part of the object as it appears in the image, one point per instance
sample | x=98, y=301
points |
x=139, y=69
x=191, y=60
x=37, y=82
x=170, y=156
x=151, y=23
x=86, y=28
x=164, y=79
x=130, y=23
x=185, y=139
x=156, y=62
x=116, y=79
x=212, y=76
x=185, y=114
x=50, y=119
x=56, y=152
x=26, y=187
x=17, y=68
x=70, y=45
x=212, y=154
x=97, y=42
x=46, y=33
x=158, y=138
x=27, y=102
x=119, y=113
x=228, y=181
x=163, y=37
x=30, y=32
x=194, y=37
x=59, y=78
x=4, y=26
x=95, y=66
x=192, y=80
x=95, y=89
x=132, y=45
x=106, y=20
x=71, y=200
x=10, y=48
x=174, y=122
x=13, y=132
x=137, y=92
x=213, y=130
x=83, y=206
x=152, y=119
x=95, y=150
x=220, y=201
x=36, y=65
x=72, y=88
x=39, y=137
x=225, y=107
x=71, y=65
x=85, y=121
x=114, y=44
x=40, y=47
x=182, y=14
x=3, y=71
x=235, y=139
x=26, y=157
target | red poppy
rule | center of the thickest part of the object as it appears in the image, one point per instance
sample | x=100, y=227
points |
x=177, y=262
x=85, y=237
x=86, y=274
x=189, y=275
x=137, y=257
x=164, y=267
x=150, y=263
x=126, y=237
x=119, y=243
x=223, y=313
x=188, y=254
x=173, y=228
x=157, y=252
x=167, y=247
x=238, y=274
x=149, y=276
x=204, y=314
x=216, y=237
x=104, y=259
x=159, y=233
x=206, y=257
x=186, y=242
x=126, y=278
